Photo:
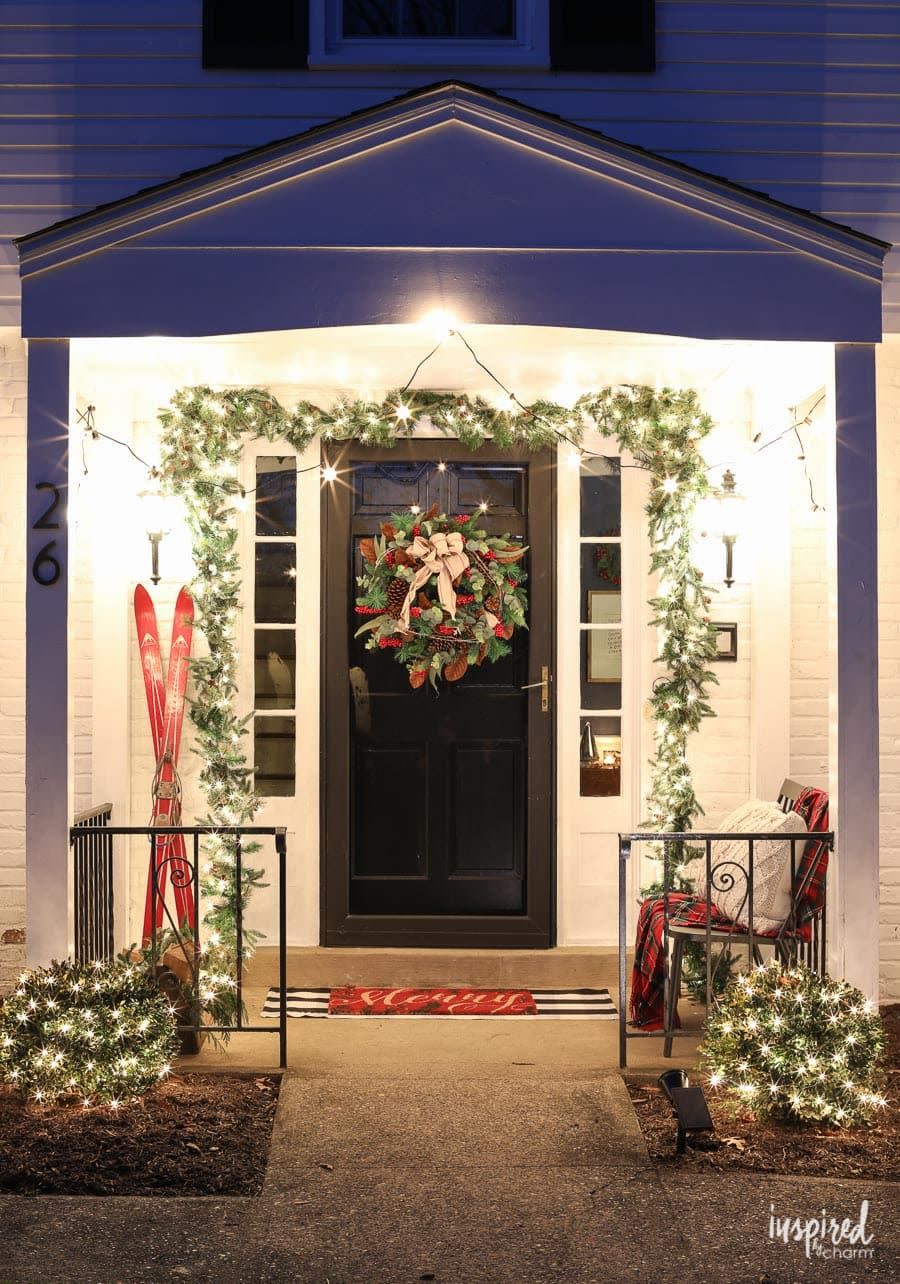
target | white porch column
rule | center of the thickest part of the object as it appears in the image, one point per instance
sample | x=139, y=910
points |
x=47, y=813
x=856, y=791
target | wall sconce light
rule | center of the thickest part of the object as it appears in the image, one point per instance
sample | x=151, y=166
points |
x=155, y=508
x=730, y=512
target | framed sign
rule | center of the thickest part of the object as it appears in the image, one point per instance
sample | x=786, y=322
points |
x=726, y=641
x=604, y=650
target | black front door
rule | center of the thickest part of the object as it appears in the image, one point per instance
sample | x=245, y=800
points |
x=437, y=816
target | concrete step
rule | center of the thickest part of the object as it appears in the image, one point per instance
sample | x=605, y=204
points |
x=568, y=966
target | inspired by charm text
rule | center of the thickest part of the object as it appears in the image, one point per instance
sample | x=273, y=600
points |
x=825, y=1236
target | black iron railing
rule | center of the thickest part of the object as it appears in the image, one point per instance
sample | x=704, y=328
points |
x=187, y=939
x=801, y=936
x=93, y=885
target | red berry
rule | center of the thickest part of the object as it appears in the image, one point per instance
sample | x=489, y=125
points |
x=498, y=630
x=416, y=530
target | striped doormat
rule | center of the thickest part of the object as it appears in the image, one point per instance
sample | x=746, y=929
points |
x=452, y=1001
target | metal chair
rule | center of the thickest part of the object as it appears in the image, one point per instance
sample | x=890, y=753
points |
x=801, y=935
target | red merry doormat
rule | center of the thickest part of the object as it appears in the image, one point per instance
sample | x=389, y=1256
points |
x=359, y=1000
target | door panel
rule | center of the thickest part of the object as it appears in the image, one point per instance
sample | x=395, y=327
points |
x=436, y=805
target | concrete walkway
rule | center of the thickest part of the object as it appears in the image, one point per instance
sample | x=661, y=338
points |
x=404, y=1165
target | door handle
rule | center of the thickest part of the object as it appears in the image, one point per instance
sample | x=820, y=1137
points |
x=544, y=684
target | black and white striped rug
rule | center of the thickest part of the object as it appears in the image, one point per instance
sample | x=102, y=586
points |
x=571, y=1005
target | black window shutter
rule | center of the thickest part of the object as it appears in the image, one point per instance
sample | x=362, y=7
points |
x=252, y=34
x=605, y=35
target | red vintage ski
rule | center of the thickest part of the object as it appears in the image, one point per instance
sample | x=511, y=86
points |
x=165, y=703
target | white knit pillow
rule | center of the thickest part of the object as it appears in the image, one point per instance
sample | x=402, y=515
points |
x=771, y=866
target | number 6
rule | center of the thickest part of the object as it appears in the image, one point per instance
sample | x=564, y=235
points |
x=45, y=558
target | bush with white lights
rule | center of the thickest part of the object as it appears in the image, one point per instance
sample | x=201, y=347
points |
x=101, y=1032
x=789, y=1044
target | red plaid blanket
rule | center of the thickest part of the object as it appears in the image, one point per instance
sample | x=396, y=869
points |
x=648, y=972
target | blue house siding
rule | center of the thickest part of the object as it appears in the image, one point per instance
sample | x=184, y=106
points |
x=797, y=100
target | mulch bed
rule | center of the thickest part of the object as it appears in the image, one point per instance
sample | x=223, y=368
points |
x=192, y=1135
x=739, y=1141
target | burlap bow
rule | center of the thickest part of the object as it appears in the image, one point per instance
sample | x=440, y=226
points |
x=442, y=555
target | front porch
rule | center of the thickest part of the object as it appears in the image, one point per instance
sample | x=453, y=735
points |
x=661, y=278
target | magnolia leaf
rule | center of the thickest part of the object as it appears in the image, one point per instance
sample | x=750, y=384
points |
x=456, y=668
x=417, y=678
x=369, y=624
x=388, y=531
x=512, y=555
x=367, y=548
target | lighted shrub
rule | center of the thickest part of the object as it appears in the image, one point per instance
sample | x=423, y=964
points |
x=790, y=1044
x=98, y=1031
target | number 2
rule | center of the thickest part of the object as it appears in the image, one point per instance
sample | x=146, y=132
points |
x=43, y=523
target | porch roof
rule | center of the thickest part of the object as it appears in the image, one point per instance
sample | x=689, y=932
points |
x=451, y=196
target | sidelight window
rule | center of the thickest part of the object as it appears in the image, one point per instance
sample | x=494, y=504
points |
x=601, y=628
x=274, y=631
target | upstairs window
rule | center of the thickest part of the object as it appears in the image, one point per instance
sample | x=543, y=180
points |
x=568, y=35
x=434, y=33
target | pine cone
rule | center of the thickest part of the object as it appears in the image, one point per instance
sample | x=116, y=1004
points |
x=493, y=604
x=396, y=596
x=440, y=644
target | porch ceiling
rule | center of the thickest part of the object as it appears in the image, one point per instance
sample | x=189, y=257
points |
x=366, y=361
x=452, y=196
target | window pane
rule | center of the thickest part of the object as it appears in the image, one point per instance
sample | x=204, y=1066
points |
x=273, y=754
x=601, y=497
x=276, y=583
x=430, y=19
x=276, y=664
x=601, y=583
x=601, y=668
x=500, y=488
x=600, y=753
x=371, y=17
x=276, y=495
x=491, y=20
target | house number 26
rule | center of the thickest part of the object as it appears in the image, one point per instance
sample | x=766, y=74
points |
x=45, y=568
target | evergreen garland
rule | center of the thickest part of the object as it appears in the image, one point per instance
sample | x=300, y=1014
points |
x=202, y=436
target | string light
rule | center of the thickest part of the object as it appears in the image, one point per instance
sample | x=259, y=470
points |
x=107, y=1051
x=829, y=1069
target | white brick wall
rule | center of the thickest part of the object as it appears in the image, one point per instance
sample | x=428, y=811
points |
x=809, y=604
x=12, y=656
x=720, y=752
x=889, y=658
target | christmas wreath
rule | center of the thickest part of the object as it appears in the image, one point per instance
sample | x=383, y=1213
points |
x=441, y=593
